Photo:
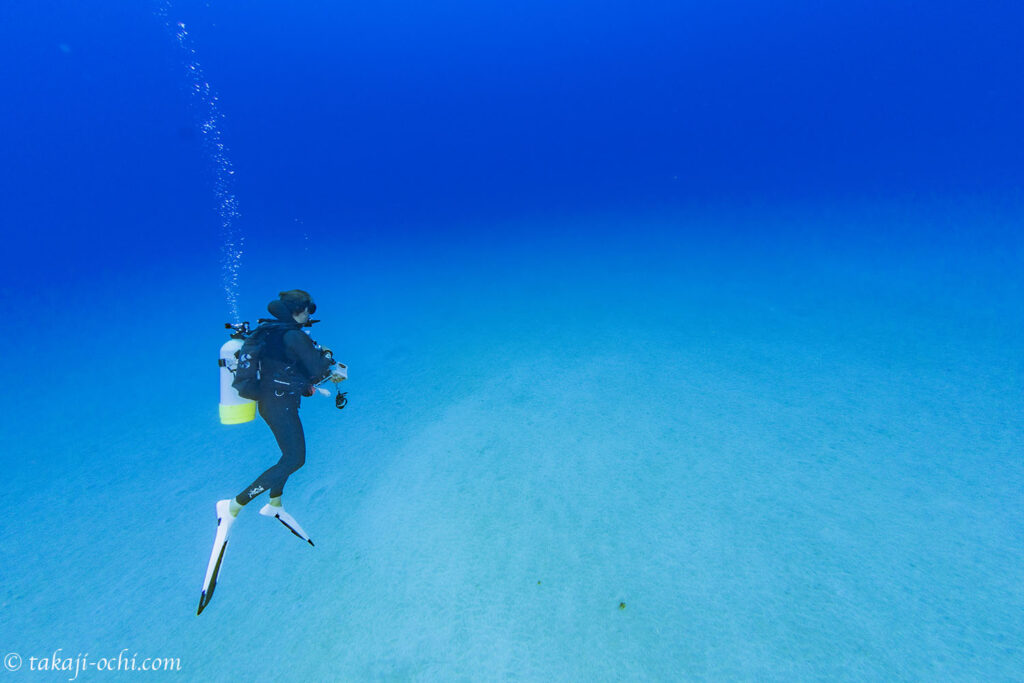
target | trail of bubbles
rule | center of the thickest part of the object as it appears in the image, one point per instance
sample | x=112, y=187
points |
x=204, y=99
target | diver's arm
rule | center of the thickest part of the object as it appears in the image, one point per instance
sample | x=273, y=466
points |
x=312, y=362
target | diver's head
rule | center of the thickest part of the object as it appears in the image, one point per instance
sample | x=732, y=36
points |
x=295, y=304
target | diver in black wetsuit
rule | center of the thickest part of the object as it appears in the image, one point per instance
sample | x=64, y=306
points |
x=291, y=365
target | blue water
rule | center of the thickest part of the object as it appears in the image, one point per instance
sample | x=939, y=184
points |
x=685, y=341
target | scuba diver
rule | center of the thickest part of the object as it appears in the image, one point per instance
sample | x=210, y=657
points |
x=290, y=365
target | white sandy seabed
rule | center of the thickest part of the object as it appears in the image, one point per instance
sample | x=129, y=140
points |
x=667, y=463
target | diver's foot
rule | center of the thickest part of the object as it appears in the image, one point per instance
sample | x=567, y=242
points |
x=224, y=516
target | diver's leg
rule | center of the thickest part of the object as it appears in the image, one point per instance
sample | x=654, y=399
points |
x=282, y=415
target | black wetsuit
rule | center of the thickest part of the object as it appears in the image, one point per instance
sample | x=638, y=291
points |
x=290, y=366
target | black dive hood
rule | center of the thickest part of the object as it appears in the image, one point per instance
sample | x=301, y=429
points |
x=280, y=311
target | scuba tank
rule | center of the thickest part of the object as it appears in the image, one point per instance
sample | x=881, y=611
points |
x=233, y=408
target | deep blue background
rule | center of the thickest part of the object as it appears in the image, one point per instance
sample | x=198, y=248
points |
x=350, y=118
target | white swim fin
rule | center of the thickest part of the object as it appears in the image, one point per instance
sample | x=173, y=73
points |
x=278, y=513
x=220, y=543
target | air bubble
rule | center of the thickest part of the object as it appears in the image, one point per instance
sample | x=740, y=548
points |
x=204, y=101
